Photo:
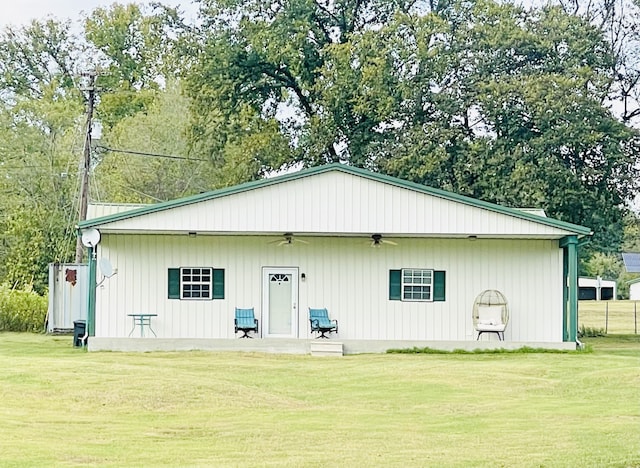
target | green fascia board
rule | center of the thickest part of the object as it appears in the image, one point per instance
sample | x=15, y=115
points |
x=574, y=228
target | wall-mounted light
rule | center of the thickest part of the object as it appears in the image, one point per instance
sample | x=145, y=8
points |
x=303, y=277
x=193, y=234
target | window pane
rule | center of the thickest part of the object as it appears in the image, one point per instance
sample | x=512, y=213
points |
x=417, y=284
x=196, y=283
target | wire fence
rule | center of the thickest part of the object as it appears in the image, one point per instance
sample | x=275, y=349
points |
x=614, y=317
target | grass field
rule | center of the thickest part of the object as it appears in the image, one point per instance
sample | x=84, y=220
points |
x=62, y=406
x=616, y=317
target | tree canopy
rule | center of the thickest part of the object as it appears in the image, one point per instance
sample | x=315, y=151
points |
x=491, y=100
x=526, y=107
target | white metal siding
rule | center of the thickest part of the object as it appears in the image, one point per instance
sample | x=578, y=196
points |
x=335, y=203
x=345, y=275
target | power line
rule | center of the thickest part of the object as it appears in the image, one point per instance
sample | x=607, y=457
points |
x=140, y=153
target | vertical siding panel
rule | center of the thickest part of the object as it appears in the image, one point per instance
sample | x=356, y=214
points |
x=333, y=203
x=344, y=275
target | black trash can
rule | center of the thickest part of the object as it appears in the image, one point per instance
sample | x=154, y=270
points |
x=79, y=329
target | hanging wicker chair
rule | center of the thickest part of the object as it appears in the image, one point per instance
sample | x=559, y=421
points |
x=491, y=313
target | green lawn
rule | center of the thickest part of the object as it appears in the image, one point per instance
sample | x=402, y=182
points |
x=61, y=406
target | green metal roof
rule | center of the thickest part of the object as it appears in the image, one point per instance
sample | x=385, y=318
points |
x=579, y=230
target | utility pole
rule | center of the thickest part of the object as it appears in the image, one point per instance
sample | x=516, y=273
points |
x=86, y=160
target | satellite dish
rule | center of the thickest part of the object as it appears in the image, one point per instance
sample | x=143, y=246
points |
x=106, y=268
x=90, y=237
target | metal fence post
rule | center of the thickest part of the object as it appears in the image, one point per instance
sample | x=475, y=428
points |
x=606, y=318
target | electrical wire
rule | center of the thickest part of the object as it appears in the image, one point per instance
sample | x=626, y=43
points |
x=140, y=153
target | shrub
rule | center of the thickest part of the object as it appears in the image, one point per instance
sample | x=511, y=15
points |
x=21, y=310
x=590, y=332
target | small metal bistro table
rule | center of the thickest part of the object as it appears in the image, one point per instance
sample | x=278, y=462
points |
x=142, y=321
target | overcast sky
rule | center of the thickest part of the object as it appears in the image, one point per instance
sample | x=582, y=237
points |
x=18, y=12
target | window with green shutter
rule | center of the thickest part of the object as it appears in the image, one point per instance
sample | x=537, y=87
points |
x=196, y=283
x=417, y=284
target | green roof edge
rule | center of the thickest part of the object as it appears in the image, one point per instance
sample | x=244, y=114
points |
x=327, y=168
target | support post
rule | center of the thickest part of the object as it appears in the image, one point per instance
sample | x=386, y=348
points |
x=570, y=249
x=91, y=303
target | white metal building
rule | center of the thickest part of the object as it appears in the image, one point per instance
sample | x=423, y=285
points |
x=597, y=289
x=303, y=240
x=634, y=289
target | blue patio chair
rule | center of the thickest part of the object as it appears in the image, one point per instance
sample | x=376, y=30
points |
x=320, y=322
x=245, y=322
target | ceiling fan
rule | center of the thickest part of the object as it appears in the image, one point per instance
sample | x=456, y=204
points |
x=377, y=241
x=287, y=239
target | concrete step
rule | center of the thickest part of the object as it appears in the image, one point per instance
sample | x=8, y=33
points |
x=326, y=348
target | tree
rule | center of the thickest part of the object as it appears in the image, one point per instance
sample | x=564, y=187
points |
x=37, y=57
x=38, y=189
x=289, y=66
x=135, y=54
x=485, y=99
x=618, y=21
x=141, y=173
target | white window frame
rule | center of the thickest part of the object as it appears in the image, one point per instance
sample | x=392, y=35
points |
x=205, y=286
x=415, y=283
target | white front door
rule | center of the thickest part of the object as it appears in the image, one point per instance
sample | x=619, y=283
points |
x=279, y=302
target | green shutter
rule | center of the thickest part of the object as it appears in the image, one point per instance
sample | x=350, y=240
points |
x=439, y=285
x=395, y=285
x=218, y=283
x=174, y=283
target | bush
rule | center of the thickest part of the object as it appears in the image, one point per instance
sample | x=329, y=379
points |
x=590, y=332
x=21, y=310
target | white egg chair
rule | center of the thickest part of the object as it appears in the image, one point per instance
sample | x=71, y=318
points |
x=490, y=313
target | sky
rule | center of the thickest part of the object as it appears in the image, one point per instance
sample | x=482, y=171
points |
x=20, y=12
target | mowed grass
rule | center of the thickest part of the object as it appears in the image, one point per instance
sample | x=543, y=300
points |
x=623, y=317
x=61, y=406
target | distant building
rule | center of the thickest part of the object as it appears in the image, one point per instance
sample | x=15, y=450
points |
x=596, y=289
x=634, y=289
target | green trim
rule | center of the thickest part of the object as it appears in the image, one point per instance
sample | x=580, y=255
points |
x=91, y=300
x=395, y=285
x=174, y=283
x=570, y=295
x=580, y=230
x=439, y=286
x=218, y=283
